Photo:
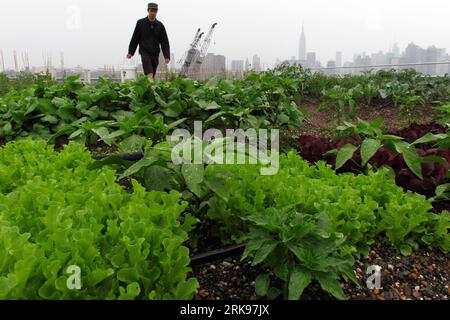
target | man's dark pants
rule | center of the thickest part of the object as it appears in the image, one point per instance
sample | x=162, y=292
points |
x=149, y=64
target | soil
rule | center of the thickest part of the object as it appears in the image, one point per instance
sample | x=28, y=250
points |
x=424, y=275
x=318, y=122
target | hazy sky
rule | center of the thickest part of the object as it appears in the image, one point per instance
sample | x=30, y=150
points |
x=96, y=32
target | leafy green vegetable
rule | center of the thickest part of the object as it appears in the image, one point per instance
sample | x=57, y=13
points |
x=309, y=224
x=56, y=213
x=112, y=112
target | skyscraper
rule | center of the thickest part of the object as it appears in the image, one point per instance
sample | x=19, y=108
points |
x=214, y=63
x=311, y=59
x=396, y=50
x=237, y=66
x=302, y=46
x=331, y=64
x=256, y=63
x=172, y=61
x=338, y=59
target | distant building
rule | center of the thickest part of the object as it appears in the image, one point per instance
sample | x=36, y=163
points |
x=348, y=69
x=339, y=59
x=40, y=70
x=213, y=65
x=396, y=50
x=277, y=62
x=361, y=61
x=172, y=61
x=433, y=54
x=413, y=53
x=442, y=69
x=256, y=65
x=310, y=59
x=331, y=64
x=247, y=65
x=220, y=63
x=237, y=67
x=338, y=62
x=302, y=46
x=378, y=58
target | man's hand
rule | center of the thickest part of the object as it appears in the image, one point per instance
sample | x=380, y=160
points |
x=129, y=56
x=167, y=61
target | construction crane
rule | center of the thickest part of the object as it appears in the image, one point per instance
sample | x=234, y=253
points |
x=181, y=61
x=205, y=46
x=194, y=57
x=191, y=53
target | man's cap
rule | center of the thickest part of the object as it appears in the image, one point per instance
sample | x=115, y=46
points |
x=152, y=5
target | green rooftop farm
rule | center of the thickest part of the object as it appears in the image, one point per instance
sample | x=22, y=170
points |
x=93, y=207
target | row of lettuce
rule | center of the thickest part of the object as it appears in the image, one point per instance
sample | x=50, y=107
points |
x=110, y=112
x=305, y=224
x=419, y=155
x=402, y=89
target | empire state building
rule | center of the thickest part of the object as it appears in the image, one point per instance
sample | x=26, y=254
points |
x=302, y=46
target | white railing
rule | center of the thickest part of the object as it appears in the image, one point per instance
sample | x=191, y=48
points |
x=86, y=75
x=363, y=68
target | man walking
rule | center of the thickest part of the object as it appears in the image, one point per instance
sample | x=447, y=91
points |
x=150, y=34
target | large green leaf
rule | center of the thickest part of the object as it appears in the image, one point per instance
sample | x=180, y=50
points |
x=218, y=186
x=134, y=143
x=102, y=132
x=76, y=133
x=176, y=123
x=193, y=175
x=443, y=191
x=215, y=116
x=110, y=160
x=263, y=252
x=7, y=128
x=172, y=109
x=50, y=119
x=262, y=283
x=110, y=138
x=429, y=137
x=138, y=166
x=412, y=159
x=283, y=119
x=330, y=283
x=344, y=154
x=208, y=105
x=368, y=149
x=298, y=281
x=157, y=178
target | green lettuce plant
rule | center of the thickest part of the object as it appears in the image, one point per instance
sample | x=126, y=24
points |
x=308, y=224
x=55, y=213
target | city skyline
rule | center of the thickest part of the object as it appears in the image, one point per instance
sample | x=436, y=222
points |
x=411, y=54
x=91, y=34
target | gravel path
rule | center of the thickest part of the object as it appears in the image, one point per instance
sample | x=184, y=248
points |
x=424, y=275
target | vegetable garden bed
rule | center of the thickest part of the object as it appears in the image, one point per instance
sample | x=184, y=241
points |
x=141, y=227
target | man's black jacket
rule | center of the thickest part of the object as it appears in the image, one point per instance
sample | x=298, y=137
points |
x=149, y=35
